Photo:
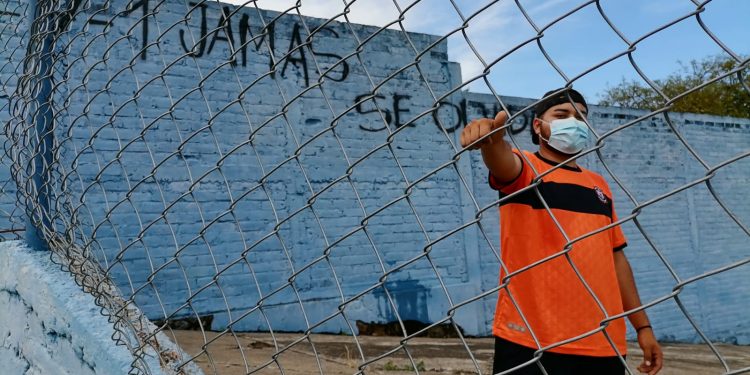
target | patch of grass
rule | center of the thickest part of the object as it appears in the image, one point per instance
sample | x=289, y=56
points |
x=390, y=366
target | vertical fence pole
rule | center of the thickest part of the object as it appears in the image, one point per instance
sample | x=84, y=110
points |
x=41, y=116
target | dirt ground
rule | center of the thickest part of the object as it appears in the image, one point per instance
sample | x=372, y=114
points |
x=257, y=353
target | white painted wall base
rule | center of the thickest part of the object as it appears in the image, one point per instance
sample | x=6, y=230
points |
x=48, y=325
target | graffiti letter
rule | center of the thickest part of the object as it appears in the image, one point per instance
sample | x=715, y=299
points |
x=358, y=108
x=143, y=4
x=295, y=45
x=257, y=40
x=204, y=30
x=338, y=60
x=224, y=33
x=521, y=122
x=397, y=110
x=480, y=106
x=460, y=115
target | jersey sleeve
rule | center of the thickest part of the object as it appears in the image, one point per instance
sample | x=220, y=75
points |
x=523, y=179
x=619, y=241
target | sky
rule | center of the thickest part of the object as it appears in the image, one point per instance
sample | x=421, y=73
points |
x=576, y=43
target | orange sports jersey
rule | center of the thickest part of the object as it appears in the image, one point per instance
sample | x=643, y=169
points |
x=552, y=298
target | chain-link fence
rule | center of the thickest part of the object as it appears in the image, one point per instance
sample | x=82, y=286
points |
x=232, y=169
x=14, y=34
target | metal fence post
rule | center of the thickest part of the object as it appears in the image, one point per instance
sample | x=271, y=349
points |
x=41, y=69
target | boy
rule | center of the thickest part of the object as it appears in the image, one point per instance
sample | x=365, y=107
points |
x=551, y=280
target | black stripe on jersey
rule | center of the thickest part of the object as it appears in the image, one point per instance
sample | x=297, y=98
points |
x=569, y=197
x=556, y=164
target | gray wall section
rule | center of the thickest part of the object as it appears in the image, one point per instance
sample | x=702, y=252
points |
x=195, y=187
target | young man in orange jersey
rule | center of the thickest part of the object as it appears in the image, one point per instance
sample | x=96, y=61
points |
x=566, y=275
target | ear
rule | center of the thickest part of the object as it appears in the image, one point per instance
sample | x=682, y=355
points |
x=537, y=124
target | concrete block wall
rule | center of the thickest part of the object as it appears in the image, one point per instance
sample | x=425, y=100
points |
x=193, y=194
x=241, y=182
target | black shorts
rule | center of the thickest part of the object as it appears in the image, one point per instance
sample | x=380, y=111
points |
x=509, y=355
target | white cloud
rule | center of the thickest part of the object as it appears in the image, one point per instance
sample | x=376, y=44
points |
x=491, y=32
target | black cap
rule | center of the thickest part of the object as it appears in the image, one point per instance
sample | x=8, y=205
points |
x=565, y=95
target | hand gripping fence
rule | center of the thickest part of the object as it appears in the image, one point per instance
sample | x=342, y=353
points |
x=259, y=171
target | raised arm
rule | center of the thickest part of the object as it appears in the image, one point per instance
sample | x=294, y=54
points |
x=497, y=154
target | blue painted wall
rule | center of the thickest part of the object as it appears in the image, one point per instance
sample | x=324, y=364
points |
x=200, y=189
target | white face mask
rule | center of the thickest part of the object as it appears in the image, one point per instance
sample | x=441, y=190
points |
x=567, y=135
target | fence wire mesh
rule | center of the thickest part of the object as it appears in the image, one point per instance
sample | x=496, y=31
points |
x=13, y=37
x=187, y=159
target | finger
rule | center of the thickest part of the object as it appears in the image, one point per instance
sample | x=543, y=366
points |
x=474, y=134
x=642, y=368
x=658, y=362
x=500, y=119
x=466, y=134
x=647, y=357
x=463, y=137
x=485, y=128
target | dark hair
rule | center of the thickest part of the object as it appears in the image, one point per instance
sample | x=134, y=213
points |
x=553, y=98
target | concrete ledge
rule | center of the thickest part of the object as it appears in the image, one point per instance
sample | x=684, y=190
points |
x=48, y=325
